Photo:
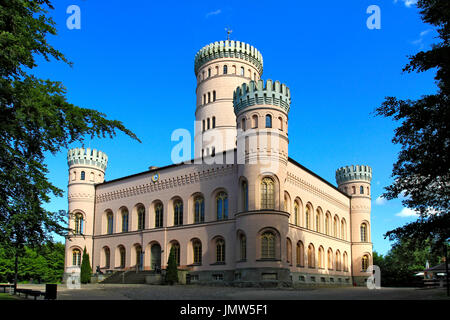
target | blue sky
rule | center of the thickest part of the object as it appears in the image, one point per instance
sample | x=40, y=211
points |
x=136, y=64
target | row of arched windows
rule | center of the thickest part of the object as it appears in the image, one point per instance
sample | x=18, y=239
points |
x=334, y=261
x=209, y=123
x=83, y=176
x=268, y=122
x=220, y=205
x=361, y=190
x=305, y=216
x=224, y=70
x=209, y=97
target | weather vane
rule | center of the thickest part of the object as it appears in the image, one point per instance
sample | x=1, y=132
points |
x=229, y=31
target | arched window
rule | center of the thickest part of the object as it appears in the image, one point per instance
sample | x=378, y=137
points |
x=78, y=223
x=213, y=122
x=225, y=69
x=220, y=250
x=83, y=175
x=343, y=230
x=361, y=190
x=280, y=122
x=327, y=224
x=209, y=72
x=318, y=221
x=176, y=249
x=243, y=247
x=364, y=263
x=109, y=223
x=208, y=122
x=296, y=212
x=345, y=258
x=368, y=191
x=107, y=258
x=363, y=232
x=76, y=257
x=242, y=71
x=300, y=254
x=353, y=190
x=158, y=215
x=311, y=256
x=335, y=227
x=243, y=124
x=268, y=121
x=330, y=259
x=124, y=220
x=199, y=209
x=308, y=218
x=209, y=97
x=122, y=257
x=177, y=213
x=288, y=251
x=338, y=260
x=321, y=258
x=245, y=195
x=197, y=246
x=222, y=206
x=141, y=218
x=267, y=194
x=268, y=245
x=214, y=97
x=203, y=125
x=254, y=121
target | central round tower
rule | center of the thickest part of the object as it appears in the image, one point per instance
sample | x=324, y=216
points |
x=220, y=68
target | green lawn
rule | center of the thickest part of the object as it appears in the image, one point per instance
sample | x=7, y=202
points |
x=7, y=296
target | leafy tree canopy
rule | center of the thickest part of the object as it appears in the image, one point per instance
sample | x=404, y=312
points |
x=422, y=171
x=35, y=118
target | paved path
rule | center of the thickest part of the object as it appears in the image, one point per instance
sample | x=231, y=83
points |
x=195, y=292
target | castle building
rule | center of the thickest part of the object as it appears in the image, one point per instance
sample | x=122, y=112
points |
x=242, y=212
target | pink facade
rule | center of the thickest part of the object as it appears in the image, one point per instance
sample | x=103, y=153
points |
x=253, y=215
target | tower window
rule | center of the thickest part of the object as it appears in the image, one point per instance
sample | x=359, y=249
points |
x=203, y=125
x=214, y=95
x=209, y=73
x=225, y=69
x=267, y=194
x=76, y=257
x=243, y=124
x=213, y=122
x=78, y=223
x=222, y=206
x=208, y=123
x=242, y=71
x=268, y=245
x=361, y=190
x=220, y=250
x=83, y=175
x=209, y=97
x=254, y=121
x=268, y=121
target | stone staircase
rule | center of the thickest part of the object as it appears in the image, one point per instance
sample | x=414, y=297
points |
x=128, y=277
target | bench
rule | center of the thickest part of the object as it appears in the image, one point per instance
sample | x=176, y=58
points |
x=4, y=286
x=29, y=292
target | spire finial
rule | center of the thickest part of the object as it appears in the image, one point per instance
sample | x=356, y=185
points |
x=229, y=31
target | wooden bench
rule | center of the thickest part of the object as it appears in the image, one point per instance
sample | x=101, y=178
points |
x=29, y=292
x=4, y=286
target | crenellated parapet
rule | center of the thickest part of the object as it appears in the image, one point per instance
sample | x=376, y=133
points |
x=228, y=49
x=92, y=157
x=260, y=93
x=354, y=172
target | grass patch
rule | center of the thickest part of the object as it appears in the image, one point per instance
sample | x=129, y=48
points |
x=7, y=296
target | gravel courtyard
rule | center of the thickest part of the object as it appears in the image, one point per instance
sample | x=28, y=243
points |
x=195, y=292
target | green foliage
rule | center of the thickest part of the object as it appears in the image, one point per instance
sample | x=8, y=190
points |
x=422, y=171
x=401, y=264
x=44, y=264
x=172, y=271
x=35, y=119
x=86, y=270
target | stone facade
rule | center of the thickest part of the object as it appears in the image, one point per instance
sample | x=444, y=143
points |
x=241, y=212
